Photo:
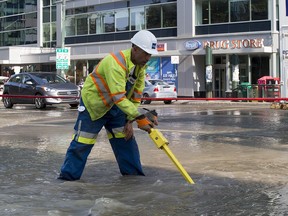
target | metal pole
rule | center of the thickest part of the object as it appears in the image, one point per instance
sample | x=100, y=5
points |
x=63, y=31
x=209, y=72
x=61, y=15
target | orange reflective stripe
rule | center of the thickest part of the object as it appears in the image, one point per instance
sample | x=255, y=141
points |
x=119, y=58
x=118, y=96
x=136, y=100
x=138, y=92
x=118, y=101
x=101, y=87
x=136, y=96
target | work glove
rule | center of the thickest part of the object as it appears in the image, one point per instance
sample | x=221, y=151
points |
x=148, y=120
x=144, y=123
x=152, y=115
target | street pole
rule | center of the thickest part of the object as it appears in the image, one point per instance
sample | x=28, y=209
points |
x=235, y=71
x=209, y=72
x=284, y=60
x=63, y=31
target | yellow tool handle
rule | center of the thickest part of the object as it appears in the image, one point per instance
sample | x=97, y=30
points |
x=162, y=143
x=178, y=164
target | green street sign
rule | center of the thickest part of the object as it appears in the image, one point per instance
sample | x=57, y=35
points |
x=62, y=58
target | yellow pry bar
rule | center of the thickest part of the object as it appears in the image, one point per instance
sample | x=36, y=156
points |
x=162, y=143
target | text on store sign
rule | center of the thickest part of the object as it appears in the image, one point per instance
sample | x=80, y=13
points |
x=234, y=44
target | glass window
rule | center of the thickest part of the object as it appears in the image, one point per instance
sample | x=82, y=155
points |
x=14, y=38
x=14, y=7
x=96, y=24
x=259, y=67
x=30, y=5
x=81, y=25
x=53, y=14
x=2, y=7
x=16, y=79
x=202, y=12
x=13, y=22
x=146, y=2
x=109, y=22
x=219, y=11
x=30, y=20
x=259, y=9
x=81, y=10
x=69, y=11
x=137, y=18
x=46, y=14
x=239, y=10
x=92, y=24
x=122, y=20
x=46, y=2
x=46, y=32
x=53, y=31
x=153, y=17
x=169, y=15
x=70, y=26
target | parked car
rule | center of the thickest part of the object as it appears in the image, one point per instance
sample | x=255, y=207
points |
x=3, y=79
x=40, y=84
x=156, y=88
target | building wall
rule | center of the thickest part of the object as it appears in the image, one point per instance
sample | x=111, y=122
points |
x=185, y=18
x=191, y=68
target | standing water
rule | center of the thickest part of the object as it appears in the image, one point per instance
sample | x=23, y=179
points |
x=235, y=153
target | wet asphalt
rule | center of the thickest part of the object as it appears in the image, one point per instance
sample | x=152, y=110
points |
x=235, y=152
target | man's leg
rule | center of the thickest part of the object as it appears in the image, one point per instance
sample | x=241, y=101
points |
x=75, y=161
x=86, y=132
x=125, y=151
x=127, y=156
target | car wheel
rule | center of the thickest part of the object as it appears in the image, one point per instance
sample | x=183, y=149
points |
x=7, y=102
x=167, y=102
x=146, y=101
x=40, y=102
x=73, y=105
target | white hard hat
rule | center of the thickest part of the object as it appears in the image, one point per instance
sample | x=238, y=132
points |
x=146, y=41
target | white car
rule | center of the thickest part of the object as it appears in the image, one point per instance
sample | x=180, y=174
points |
x=156, y=88
x=3, y=79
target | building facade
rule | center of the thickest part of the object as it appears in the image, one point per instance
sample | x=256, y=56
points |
x=245, y=38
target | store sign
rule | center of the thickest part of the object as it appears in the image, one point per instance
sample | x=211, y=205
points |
x=161, y=47
x=235, y=44
x=192, y=45
x=174, y=59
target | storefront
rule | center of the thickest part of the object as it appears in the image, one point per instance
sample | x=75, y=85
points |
x=235, y=59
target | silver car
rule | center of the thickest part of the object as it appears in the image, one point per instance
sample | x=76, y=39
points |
x=156, y=88
x=23, y=88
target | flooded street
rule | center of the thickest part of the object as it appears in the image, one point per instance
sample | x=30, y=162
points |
x=236, y=153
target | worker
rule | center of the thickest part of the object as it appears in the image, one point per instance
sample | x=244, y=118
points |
x=110, y=98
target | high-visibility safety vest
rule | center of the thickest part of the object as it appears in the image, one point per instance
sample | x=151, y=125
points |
x=105, y=86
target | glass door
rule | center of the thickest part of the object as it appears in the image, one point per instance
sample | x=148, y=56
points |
x=219, y=81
